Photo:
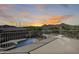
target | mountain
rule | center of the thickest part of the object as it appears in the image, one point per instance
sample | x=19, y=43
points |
x=62, y=25
x=53, y=26
x=6, y=26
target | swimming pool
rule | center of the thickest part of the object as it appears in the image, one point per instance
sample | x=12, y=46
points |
x=26, y=42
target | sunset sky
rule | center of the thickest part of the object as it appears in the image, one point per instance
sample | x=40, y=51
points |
x=39, y=14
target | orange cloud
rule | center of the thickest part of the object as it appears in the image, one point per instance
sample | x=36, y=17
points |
x=40, y=6
x=6, y=6
x=24, y=14
x=40, y=17
x=53, y=20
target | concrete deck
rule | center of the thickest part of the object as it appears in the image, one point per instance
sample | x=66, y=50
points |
x=63, y=45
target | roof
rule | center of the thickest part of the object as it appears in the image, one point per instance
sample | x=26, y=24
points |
x=12, y=29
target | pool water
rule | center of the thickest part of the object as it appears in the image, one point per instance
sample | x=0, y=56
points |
x=26, y=42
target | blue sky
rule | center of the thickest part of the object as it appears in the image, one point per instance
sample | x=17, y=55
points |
x=38, y=13
x=50, y=8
